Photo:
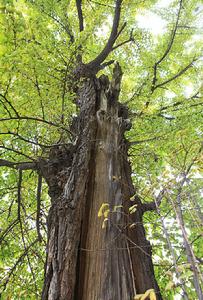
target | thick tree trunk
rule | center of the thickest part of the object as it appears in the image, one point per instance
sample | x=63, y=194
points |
x=84, y=260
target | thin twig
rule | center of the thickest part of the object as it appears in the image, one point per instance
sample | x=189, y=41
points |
x=19, y=193
x=19, y=260
x=16, y=151
x=181, y=72
x=10, y=104
x=20, y=118
x=39, y=188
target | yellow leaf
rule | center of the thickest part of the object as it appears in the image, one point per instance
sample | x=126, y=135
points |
x=116, y=207
x=146, y=294
x=149, y=293
x=138, y=296
x=132, y=198
x=133, y=208
x=104, y=223
x=106, y=213
x=152, y=295
x=102, y=209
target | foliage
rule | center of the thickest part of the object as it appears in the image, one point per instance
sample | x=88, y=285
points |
x=40, y=42
x=149, y=293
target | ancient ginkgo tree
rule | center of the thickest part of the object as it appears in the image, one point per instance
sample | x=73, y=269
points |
x=100, y=148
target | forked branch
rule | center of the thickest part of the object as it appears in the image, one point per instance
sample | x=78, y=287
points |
x=168, y=49
x=97, y=64
x=112, y=38
x=10, y=105
x=131, y=39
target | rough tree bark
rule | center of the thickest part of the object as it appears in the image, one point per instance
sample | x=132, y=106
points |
x=84, y=260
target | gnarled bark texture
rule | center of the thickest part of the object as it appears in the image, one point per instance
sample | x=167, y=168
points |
x=84, y=260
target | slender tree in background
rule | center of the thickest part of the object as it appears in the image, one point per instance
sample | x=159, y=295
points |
x=100, y=136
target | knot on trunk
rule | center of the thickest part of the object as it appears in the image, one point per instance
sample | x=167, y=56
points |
x=56, y=169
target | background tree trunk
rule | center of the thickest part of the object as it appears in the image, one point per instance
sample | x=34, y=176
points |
x=84, y=260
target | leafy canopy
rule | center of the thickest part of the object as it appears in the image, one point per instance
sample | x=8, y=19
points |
x=40, y=43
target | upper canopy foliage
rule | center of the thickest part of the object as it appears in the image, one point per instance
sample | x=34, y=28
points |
x=41, y=45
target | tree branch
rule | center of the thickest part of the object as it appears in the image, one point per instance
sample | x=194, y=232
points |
x=175, y=76
x=172, y=36
x=19, y=192
x=20, y=137
x=108, y=63
x=10, y=104
x=8, y=229
x=154, y=204
x=131, y=39
x=37, y=120
x=65, y=27
x=137, y=92
x=80, y=15
x=5, y=107
x=19, y=260
x=195, y=96
x=39, y=189
x=144, y=141
x=121, y=30
x=16, y=151
x=168, y=48
x=102, y=4
x=112, y=38
x=19, y=165
x=63, y=95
